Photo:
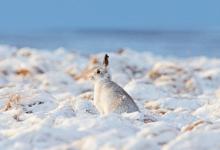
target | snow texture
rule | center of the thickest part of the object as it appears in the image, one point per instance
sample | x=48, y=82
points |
x=46, y=101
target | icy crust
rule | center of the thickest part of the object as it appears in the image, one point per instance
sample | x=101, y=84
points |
x=46, y=101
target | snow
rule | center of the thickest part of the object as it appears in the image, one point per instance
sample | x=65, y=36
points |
x=46, y=101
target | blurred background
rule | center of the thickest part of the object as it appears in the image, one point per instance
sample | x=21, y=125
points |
x=171, y=27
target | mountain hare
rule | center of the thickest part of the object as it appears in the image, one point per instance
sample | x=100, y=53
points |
x=109, y=96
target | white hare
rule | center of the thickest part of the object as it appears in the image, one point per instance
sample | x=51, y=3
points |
x=109, y=96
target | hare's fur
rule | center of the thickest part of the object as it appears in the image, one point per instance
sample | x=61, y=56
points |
x=109, y=96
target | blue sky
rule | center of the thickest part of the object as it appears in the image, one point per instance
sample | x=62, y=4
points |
x=36, y=15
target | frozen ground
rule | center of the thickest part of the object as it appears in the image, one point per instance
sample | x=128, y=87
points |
x=46, y=102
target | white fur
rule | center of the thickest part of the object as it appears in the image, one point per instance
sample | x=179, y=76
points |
x=108, y=96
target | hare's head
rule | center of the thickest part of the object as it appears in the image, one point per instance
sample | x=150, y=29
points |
x=101, y=72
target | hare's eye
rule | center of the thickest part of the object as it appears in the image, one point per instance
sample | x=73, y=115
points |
x=98, y=71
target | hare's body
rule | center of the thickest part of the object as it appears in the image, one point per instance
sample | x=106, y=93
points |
x=108, y=96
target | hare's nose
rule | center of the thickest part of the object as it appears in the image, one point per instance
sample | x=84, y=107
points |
x=91, y=78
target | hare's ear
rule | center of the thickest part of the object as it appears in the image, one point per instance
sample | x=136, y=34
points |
x=105, y=61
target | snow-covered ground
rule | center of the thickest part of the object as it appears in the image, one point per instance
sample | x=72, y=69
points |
x=46, y=101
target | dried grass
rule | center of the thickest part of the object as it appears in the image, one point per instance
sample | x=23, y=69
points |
x=193, y=125
x=23, y=72
x=13, y=101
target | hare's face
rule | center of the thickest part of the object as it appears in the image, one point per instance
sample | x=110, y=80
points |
x=100, y=73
